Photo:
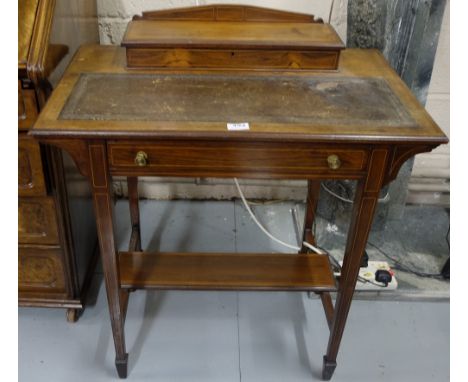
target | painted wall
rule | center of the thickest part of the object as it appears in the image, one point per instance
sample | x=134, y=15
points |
x=114, y=14
x=430, y=181
x=75, y=23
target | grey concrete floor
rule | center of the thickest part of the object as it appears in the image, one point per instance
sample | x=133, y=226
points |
x=230, y=336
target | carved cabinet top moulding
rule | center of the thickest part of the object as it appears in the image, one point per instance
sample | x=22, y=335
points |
x=222, y=12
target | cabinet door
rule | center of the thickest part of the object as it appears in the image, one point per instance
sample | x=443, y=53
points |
x=37, y=221
x=40, y=270
x=30, y=171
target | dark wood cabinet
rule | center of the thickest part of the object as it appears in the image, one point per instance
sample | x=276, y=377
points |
x=56, y=233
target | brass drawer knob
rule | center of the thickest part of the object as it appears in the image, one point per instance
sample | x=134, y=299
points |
x=141, y=159
x=334, y=162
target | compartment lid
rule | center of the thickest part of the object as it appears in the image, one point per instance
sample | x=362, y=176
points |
x=231, y=35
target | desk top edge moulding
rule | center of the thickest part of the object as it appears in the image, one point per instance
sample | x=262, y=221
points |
x=160, y=105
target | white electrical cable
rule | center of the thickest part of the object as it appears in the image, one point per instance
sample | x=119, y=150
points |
x=380, y=200
x=336, y=195
x=315, y=249
x=254, y=218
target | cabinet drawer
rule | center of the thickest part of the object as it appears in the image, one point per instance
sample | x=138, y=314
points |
x=235, y=159
x=231, y=59
x=30, y=171
x=27, y=107
x=37, y=221
x=40, y=270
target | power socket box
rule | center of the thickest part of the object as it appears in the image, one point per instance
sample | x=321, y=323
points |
x=368, y=273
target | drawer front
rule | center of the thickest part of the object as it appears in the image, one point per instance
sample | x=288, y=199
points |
x=30, y=171
x=37, y=221
x=231, y=59
x=225, y=159
x=40, y=270
x=27, y=107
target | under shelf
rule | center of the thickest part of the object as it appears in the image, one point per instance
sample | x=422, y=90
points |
x=226, y=271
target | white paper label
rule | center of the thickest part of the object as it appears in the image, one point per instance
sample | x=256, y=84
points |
x=238, y=126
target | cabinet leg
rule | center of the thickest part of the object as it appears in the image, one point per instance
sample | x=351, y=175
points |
x=73, y=314
x=313, y=192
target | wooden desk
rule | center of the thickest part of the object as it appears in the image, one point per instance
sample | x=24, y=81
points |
x=360, y=122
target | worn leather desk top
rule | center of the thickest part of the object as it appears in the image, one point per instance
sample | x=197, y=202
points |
x=184, y=97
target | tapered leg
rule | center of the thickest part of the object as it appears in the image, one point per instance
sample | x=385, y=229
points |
x=102, y=195
x=135, y=241
x=365, y=201
x=327, y=307
x=313, y=192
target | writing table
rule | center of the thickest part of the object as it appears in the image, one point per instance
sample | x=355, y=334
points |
x=360, y=122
